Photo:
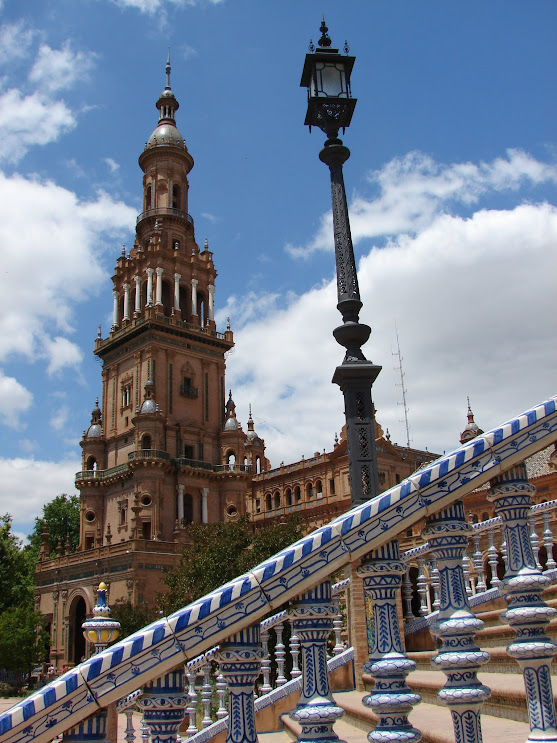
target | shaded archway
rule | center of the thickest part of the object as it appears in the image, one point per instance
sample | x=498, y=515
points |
x=76, y=641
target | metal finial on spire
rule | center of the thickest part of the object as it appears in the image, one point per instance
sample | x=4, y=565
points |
x=325, y=40
x=168, y=70
x=311, y=46
x=346, y=47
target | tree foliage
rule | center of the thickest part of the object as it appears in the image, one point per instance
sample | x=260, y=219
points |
x=132, y=618
x=60, y=518
x=17, y=568
x=22, y=638
x=220, y=552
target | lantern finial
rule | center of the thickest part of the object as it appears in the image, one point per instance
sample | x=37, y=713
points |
x=325, y=40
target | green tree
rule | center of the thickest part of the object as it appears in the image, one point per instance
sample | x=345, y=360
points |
x=60, y=518
x=22, y=638
x=17, y=568
x=132, y=618
x=220, y=552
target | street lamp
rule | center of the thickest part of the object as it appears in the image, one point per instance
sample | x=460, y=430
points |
x=326, y=75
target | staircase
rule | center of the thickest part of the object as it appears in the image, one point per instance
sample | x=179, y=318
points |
x=365, y=541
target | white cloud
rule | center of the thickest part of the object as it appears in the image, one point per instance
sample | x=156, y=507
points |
x=475, y=304
x=152, y=6
x=59, y=419
x=27, y=120
x=61, y=353
x=28, y=484
x=413, y=189
x=51, y=244
x=15, y=40
x=112, y=165
x=60, y=69
x=15, y=399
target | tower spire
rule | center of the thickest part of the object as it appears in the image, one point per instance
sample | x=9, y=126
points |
x=168, y=68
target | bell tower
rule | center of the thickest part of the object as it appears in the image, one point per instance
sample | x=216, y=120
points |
x=153, y=455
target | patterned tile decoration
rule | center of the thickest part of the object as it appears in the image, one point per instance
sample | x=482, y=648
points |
x=121, y=668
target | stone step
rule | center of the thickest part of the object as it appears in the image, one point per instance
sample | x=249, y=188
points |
x=434, y=722
x=499, y=661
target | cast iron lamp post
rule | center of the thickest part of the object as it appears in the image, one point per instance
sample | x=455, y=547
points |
x=326, y=75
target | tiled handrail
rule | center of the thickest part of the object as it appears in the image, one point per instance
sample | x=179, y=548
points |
x=172, y=641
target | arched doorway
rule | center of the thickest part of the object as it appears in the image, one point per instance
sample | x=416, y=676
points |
x=76, y=641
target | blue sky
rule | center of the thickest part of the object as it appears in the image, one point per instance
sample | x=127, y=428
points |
x=452, y=187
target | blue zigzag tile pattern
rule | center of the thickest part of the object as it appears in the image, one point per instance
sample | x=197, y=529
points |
x=167, y=643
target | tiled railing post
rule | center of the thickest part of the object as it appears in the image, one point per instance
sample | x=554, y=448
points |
x=459, y=657
x=391, y=698
x=280, y=655
x=534, y=539
x=527, y=613
x=90, y=730
x=130, y=731
x=265, y=687
x=163, y=704
x=192, y=704
x=421, y=584
x=206, y=695
x=407, y=595
x=240, y=663
x=477, y=559
x=312, y=617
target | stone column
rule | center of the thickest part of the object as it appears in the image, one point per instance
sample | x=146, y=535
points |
x=459, y=657
x=527, y=613
x=177, y=278
x=240, y=663
x=114, y=309
x=159, y=286
x=312, y=617
x=391, y=698
x=211, y=290
x=126, y=301
x=137, y=310
x=149, y=272
x=204, y=506
x=180, y=505
x=194, y=283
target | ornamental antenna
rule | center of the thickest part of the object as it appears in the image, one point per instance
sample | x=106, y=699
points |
x=403, y=403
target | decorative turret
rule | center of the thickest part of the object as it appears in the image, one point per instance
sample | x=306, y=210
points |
x=472, y=429
x=230, y=423
x=95, y=429
x=101, y=629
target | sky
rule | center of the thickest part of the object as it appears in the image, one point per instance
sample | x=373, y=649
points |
x=452, y=190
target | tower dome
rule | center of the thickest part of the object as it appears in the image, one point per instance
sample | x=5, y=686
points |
x=166, y=133
x=95, y=429
x=230, y=424
x=149, y=405
x=471, y=430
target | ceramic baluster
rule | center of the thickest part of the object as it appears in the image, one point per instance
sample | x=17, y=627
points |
x=466, y=574
x=192, y=704
x=391, y=698
x=337, y=627
x=548, y=541
x=221, y=695
x=312, y=617
x=435, y=585
x=280, y=655
x=206, y=695
x=163, y=704
x=534, y=539
x=295, y=654
x=526, y=613
x=492, y=557
x=265, y=687
x=421, y=583
x=240, y=662
x=459, y=657
x=477, y=560
x=407, y=595
x=130, y=731
x=145, y=733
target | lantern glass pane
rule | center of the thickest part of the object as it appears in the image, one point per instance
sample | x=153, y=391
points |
x=331, y=81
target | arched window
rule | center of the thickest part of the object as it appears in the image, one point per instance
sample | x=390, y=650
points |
x=176, y=197
x=297, y=494
x=485, y=516
x=288, y=495
x=231, y=460
x=309, y=491
x=146, y=442
x=268, y=502
x=91, y=464
x=258, y=464
x=319, y=488
x=148, y=193
x=277, y=499
x=188, y=508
